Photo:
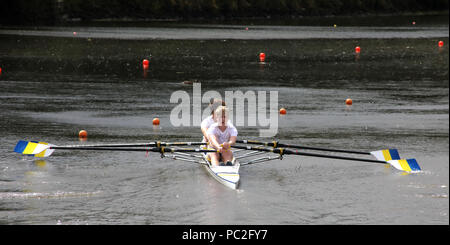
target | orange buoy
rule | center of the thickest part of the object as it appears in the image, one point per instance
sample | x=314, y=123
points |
x=82, y=134
x=283, y=111
x=349, y=101
x=441, y=44
x=358, y=49
x=156, y=121
x=262, y=57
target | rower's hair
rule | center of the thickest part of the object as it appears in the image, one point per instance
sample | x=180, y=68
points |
x=215, y=103
x=221, y=109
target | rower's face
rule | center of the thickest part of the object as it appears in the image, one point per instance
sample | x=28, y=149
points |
x=222, y=119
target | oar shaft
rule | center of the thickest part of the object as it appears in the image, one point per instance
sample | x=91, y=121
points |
x=283, y=151
x=153, y=149
x=148, y=144
x=276, y=144
x=336, y=157
x=324, y=149
x=90, y=148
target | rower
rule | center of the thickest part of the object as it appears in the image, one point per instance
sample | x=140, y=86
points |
x=222, y=136
x=207, y=122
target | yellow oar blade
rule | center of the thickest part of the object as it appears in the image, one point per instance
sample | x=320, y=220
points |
x=407, y=165
x=35, y=148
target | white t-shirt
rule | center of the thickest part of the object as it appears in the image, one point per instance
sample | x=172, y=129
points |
x=207, y=122
x=222, y=136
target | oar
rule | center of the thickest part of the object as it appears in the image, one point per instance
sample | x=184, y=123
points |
x=145, y=144
x=382, y=155
x=407, y=165
x=42, y=149
x=152, y=149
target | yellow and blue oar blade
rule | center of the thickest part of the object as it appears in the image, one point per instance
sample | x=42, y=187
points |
x=393, y=157
x=407, y=165
x=34, y=148
x=386, y=155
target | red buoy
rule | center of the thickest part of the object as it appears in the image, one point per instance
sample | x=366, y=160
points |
x=441, y=44
x=82, y=134
x=145, y=62
x=262, y=57
x=156, y=121
x=358, y=49
x=283, y=111
x=349, y=101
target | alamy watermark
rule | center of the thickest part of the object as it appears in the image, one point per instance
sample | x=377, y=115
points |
x=260, y=111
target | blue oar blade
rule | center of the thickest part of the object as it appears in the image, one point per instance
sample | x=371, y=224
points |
x=20, y=147
x=413, y=164
x=394, y=154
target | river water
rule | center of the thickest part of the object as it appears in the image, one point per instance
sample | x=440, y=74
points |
x=56, y=81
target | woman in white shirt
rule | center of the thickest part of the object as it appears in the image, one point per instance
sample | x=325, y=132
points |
x=222, y=135
x=207, y=122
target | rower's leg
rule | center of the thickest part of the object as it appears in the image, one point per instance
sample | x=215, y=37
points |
x=227, y=156
x=215, y=157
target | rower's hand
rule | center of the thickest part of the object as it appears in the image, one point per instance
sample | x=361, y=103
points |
x=226, y=145
x=205, y=140
x=220, y=149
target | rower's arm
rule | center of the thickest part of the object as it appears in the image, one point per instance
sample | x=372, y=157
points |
x=205, y=133
x=232, y=140
x=229, y=143
x=214, y=142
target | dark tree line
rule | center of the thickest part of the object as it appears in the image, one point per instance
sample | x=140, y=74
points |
x=57, y=11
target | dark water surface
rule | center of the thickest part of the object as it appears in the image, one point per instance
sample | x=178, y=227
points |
x=54, y=83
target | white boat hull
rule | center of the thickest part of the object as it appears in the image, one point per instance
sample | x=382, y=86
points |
x=227, y=175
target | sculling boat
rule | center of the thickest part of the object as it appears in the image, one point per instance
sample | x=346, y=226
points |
x=227, y=175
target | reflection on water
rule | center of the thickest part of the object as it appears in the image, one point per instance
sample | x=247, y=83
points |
x=40, y=163
x=54, y=84
x=29, y=194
